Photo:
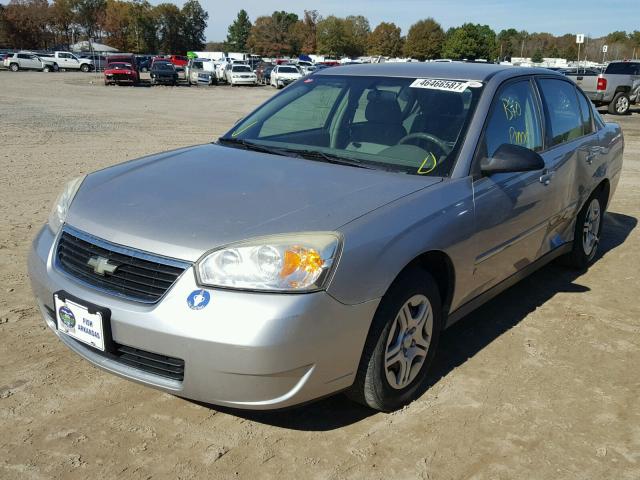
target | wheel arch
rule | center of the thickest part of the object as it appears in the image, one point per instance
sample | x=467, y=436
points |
x=439, y=265
x=605, y=187
x=623, y=88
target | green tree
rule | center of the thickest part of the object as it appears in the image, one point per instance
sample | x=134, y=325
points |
x=238, y=32
x=194, y=23
x=537, y=56
x=357, y=31
x=470, y=41
x=143, y=36
x=385, y=40
x=424, y=40
x=170, y=23
x=331, y=36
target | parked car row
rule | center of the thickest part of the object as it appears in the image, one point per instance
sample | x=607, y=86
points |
x=46, y=61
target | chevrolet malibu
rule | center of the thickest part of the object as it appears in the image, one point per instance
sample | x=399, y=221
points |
x=326, y=240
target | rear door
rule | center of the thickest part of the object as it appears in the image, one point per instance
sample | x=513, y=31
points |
x=570, y=144
x=512, y=210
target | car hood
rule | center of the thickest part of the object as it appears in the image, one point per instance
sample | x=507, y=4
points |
x=182, y=203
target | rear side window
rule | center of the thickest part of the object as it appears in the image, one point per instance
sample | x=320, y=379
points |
x=622, y=68
x=561, y=101
x=585, y=111
x=514, y=119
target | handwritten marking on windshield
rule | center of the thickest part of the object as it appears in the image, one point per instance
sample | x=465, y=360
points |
x=428, y=164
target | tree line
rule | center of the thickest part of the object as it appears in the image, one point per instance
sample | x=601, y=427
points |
x=138, y=26
x=283, y=34
x=129, y=26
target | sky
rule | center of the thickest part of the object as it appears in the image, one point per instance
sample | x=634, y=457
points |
x=591, y=17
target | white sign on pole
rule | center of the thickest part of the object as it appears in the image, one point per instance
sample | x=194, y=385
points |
x=580, y=38
x=605, y=48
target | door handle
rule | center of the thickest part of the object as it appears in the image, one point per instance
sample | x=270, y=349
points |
x=589, y=158
x=546, y=177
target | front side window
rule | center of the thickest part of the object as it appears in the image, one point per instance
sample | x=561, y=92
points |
x=513, y=119
x=561, y=102
x=388, y=123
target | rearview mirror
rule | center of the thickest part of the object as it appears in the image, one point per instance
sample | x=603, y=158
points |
x=511, y=158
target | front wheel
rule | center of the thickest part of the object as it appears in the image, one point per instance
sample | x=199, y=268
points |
x=84, y=67
x=46, y=69
x=401, y=343
x=587, y=232
x=620, y=104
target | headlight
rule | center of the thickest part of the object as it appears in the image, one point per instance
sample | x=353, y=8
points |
x=63, y=202
x=292, y=262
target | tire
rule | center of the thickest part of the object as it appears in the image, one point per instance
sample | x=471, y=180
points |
x=378, y=385
x=620, y=104
x=587, y=233
x=84, y=68
x=14, y=67
x=46, y=69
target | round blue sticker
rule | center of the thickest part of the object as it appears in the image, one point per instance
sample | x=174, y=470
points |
x=198, y=299
x=67, y=317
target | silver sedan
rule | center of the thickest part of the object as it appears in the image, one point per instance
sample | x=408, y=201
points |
x=324, y=243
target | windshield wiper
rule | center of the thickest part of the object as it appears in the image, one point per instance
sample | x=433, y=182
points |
x=251, y=146
x=308, y=154
x=326, y=157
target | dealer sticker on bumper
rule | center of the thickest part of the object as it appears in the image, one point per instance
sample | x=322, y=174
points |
x=75, y=320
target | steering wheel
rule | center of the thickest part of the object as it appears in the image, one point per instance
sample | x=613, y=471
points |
x=429, y=138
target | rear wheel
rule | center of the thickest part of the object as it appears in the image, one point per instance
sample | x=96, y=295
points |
x=14, y=67
x=401, y=343
x=620, y=104
x=587, y=233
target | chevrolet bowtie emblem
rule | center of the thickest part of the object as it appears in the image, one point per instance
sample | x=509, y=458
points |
x=102, y=266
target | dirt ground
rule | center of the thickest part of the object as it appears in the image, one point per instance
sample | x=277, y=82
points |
x=541, y=383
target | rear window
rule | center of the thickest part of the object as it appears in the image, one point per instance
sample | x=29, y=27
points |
x=622, y=68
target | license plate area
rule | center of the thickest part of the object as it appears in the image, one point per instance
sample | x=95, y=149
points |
x=83, y=321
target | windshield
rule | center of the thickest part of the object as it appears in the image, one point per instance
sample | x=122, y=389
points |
x=408, y=125
x=163, y=66
x=287, y=70
x=241, y=68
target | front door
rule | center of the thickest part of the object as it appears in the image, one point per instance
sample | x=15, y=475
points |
x=511, y=209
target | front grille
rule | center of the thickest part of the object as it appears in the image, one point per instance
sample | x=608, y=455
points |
x=160, y=365
x=139, y=275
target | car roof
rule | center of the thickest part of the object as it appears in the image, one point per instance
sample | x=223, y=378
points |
x=449, y=70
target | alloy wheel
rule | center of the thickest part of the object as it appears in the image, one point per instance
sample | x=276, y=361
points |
x=591, y=227
x=408, y=341
x=622, y=105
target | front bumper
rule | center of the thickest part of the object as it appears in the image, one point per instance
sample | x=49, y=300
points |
x=244, y=350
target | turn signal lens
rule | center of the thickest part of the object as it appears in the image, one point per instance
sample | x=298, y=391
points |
x=297, y=262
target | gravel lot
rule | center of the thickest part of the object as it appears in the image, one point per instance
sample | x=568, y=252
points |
x=541, y=383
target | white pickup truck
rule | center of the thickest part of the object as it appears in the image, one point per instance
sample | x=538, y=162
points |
x=68, y=61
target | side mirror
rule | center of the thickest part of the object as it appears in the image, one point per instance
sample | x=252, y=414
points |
x=511, y=158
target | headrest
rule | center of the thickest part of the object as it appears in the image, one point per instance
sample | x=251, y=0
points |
x=383, y=108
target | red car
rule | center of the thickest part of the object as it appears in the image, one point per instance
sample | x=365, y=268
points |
x=179, y=60
x=119, y=73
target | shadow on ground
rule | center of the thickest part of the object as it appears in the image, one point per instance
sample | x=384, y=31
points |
x=460, y=342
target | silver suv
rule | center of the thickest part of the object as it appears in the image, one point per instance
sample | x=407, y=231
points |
x=28, y=61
